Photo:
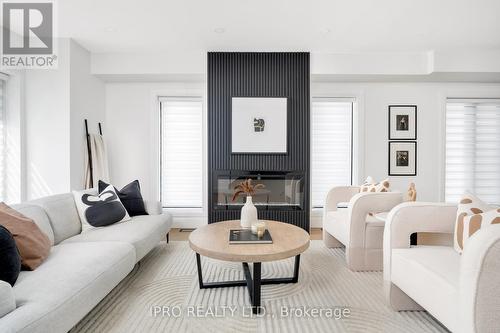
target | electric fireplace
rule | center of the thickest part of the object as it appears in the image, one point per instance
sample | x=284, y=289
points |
x=284, y=190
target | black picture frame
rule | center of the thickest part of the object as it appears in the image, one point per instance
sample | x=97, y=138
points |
x=390, y=172
x=389, y=129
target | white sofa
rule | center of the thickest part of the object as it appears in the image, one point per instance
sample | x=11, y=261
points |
x=82, y=268
x=353, y=227
x=461, y=291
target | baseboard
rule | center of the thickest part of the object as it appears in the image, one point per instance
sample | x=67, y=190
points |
x=316, y=221
x=198, y=221
x=190, y=222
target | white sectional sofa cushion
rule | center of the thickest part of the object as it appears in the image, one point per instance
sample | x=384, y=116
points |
x=7, y=299
x=82, y=268
x=141, y=231
x=62, y=213
x=39, y=216
x=55, y=296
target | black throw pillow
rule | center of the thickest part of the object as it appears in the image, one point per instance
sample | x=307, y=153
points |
x=10, y=260
x=130, y=196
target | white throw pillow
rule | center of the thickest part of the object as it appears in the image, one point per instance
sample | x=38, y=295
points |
x=473, y=223
x=99, y=210
x=371, y=186
x=469, y=206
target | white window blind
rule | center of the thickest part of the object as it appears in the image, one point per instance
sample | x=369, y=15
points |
x=473, y=149
x=331, y=146
x=2, y=140
x=181, y=152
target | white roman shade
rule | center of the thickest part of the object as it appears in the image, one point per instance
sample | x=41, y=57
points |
x=331, y=146
x=473, y=149
x=181, y=152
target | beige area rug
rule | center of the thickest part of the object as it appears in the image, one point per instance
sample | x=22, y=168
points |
x=166, y=280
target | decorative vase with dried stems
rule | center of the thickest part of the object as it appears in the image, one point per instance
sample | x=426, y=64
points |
x=248, y=211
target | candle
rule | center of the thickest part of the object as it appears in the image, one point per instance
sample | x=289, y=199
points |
x=261, y=228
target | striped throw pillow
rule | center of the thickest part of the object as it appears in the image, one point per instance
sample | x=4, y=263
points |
x=470, y=218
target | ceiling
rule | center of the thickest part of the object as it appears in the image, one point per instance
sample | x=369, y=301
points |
x=322, y=26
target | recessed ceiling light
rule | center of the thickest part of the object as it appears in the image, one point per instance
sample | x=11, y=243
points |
x=326, y=30
x=220, y=30
x=110, y=29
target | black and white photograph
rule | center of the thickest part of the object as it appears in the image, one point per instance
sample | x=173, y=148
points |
x=402, y=158
x=402, y=122
x=259, y=125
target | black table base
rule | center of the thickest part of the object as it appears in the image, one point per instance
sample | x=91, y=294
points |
x=252, y=282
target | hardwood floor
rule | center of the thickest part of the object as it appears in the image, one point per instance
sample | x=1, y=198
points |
x=177, y=235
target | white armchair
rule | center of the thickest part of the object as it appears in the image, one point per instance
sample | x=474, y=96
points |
x=461, y=291
x=353, y=227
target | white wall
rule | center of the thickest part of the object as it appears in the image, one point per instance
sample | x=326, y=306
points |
x=47, y=110
x=132, y=111
x=14, y=138
x=87, y=101
x=56, y=102
x=132, y=135
x=374, y=99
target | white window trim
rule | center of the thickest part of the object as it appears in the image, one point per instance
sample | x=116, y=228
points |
x=461, y=100
x=351, y=100
x=183, y=211
x=480, y=92
x=182, y=217
x=324, y=90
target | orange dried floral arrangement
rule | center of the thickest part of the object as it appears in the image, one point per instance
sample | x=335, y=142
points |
x=246, y=187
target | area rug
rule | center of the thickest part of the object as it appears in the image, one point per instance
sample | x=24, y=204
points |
x=161, y=294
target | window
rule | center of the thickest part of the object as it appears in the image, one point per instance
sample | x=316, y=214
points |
x=331, y=146
x=2, y=140
x=473, y=149
x=181, y=152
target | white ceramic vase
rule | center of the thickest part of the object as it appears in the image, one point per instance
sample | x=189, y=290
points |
x=248, y=214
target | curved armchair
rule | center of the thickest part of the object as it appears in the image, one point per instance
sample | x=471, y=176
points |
x=461, y=291
x=354, y=228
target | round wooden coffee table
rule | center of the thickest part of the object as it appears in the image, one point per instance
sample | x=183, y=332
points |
x=213, y=241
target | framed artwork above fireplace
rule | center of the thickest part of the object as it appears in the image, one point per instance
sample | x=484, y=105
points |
x=259, y=125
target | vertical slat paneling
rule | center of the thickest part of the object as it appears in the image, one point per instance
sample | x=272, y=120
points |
x=259, y=75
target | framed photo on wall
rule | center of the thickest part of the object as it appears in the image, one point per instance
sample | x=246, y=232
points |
x=402, y=122
x=402, y=158
x=259, y=125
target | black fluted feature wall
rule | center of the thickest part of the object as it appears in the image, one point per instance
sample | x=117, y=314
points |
x=250, y=74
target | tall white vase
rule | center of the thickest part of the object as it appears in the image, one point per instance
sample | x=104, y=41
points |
x=248, y=214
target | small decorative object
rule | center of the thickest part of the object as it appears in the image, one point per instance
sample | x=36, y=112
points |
x=258, y=228
x=261, y=228
x=248, y=211
x=412, y=193
x=402, y=158
x=402, y=122
x=259, y=125
x=254, y=228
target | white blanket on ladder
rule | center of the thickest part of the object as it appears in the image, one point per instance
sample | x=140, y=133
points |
x=99, y=161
